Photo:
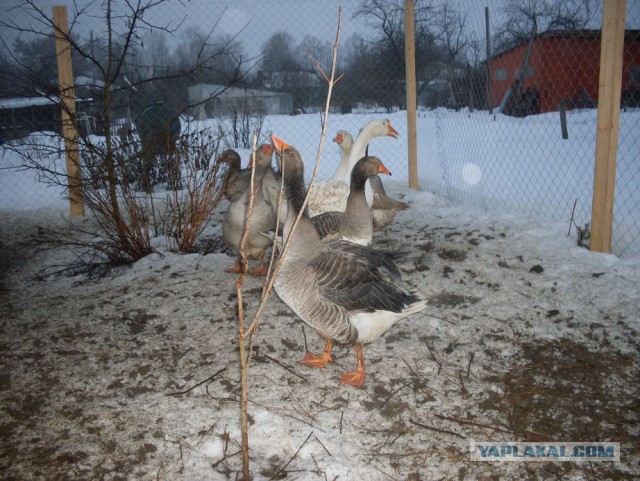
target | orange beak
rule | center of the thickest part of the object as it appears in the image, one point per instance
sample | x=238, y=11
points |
x=383, y=170
x=338, y=138
x=279, y=144
x=267, y=149
x=391, y=132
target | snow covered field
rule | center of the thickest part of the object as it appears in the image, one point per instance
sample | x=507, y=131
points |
x=526, y=337
x=520, y=166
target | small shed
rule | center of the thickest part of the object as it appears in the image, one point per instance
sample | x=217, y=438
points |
x=19, y=116
x=563, y=66
x=217, y=100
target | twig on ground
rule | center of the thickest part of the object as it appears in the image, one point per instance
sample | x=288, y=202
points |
x=323, y=446
x=464, y=389
x=225, y=457
x=284, y=366
x=283, y=468
x=410, y=368
x=472, y=423
x=304, y=335
x=387, y=475
x=184, y=354
x=180, y=393
x=434, y=357
x=438, y=430
x=384, y=403
x=470, y=361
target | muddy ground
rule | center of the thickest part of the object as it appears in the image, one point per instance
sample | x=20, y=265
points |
x=135, y=375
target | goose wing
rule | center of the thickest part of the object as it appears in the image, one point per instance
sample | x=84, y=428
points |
x=327, y=224
x=354, y=283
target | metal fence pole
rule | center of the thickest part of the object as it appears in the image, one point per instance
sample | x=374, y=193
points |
x=612, y=43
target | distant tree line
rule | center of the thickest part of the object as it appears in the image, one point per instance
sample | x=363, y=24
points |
x=160, y=66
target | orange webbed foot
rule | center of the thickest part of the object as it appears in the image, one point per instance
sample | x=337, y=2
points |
x=356, y=379
x=312, y=360
x=235, y=269
x=259, y=272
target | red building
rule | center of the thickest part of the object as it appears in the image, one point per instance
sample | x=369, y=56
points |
x=563, y=66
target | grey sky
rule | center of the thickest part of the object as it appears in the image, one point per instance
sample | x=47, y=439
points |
x=257, y=20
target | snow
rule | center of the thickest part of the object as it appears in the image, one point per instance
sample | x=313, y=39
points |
x=525, y=336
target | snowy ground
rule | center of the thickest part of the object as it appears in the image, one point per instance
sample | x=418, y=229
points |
x=135, y=376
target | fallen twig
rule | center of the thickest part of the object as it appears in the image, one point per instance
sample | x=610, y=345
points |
x=470, y=361
x=180, y=393
x=184, y=354
x=284, y=366
x=304, y=335
x=434, y=357
x=323, y=446
x=225, y=457
x=472, y=423
x=384, y=403
x=464, y=389
x=438, y=430
x=283, y=468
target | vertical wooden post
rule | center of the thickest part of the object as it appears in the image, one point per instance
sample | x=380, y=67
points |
x=68, y=105
x=612, y=45
x=410, y=65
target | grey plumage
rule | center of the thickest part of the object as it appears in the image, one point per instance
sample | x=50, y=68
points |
x=354, y=224
x=341, y=293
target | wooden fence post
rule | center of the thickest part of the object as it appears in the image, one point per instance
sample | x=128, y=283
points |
x=68, y=107
x=410, y=65
x=612, y=45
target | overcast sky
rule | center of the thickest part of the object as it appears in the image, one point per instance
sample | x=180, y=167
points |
x=253, y=20
x=257, y=20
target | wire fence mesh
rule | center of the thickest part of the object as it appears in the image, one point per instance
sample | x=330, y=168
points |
x=507, y=116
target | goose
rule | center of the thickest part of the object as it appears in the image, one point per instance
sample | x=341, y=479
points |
x=262, y=219
x=383, y=208
x=354, y=224
x=236, y=180
x=332, y=195
x=345, y=141
x=341, y=295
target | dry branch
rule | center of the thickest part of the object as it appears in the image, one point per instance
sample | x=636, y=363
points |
x=272, y=272
x=180, y=393
x=438, y=430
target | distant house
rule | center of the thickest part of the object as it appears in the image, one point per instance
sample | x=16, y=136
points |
x=19, y=116
x=216, y=101
x=563, y=66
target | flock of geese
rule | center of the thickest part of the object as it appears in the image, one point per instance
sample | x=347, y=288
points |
x=346, y=291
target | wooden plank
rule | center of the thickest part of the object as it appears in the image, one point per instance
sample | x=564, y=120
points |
x=613, y=22
x=410, y=63
x=68, y=106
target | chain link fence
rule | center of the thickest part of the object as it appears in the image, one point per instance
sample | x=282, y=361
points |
x=513, y=133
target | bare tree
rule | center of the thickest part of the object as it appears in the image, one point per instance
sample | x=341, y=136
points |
x=106, y=161
x=520, y=15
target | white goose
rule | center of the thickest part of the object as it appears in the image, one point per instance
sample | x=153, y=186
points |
x=332, y=195
x=342, y=295
x=345, y=141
